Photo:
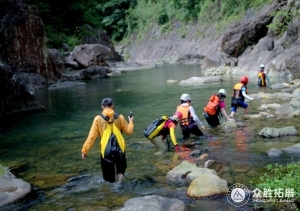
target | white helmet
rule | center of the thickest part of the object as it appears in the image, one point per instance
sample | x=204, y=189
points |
x=185, y=97
x=222, y=91
x=262, y=66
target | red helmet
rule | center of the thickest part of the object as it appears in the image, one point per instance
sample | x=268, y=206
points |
x=178, y=114
x=244, y=80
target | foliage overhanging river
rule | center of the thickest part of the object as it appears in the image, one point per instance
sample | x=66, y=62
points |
x=46, y=146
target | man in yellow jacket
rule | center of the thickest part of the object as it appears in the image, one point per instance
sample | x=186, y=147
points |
x=98, y=127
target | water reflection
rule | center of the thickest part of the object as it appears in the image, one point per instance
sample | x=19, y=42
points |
x=45, y=146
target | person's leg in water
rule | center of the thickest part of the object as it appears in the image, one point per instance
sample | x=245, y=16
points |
x=194, y=129
x=246, y=110
x=121, y=168
x=185, y=132
x=211, y=120
x=233, y=109
x=108, y=170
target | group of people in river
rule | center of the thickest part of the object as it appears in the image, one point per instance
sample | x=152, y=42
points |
x=109, y=125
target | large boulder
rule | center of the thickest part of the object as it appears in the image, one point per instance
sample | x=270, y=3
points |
x=23, y=39
x=14, y=95
x=249, y=32
x=91, y=54
x=200, y=80
x=207, y=185
x=270, y=132
x=12, y=188
x=284, y=109
x=186, y=172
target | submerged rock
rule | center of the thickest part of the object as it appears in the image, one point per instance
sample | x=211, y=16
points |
x=153, y=203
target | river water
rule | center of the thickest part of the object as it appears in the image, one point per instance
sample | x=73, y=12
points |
x=44, y=148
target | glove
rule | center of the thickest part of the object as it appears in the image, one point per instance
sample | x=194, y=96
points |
x=176, y=147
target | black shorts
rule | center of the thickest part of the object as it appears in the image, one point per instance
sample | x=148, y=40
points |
x=109, y=170
x=191, y=129
x=213, y=121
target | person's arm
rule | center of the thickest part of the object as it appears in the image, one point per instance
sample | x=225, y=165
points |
x=127, y=128
x=245, y=95
x=195, y=117
x=172, y=135
x=89, y=142
x=267, y=77
x=222, y=105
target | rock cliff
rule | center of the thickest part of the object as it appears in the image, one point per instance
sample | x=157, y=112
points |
x=243, y=46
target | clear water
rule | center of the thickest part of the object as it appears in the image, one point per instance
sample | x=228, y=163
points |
x=45, y=147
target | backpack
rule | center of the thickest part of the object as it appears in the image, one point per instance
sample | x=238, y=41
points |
x=112, y=143
x=154, y=129
x=212, y=106
x=259, y=81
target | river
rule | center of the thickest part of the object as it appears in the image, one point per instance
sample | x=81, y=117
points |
x=44, y=148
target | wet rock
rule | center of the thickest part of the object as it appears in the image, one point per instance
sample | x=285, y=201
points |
x=186, y=172
x=200, y=80
x=269, y=132
x=203, y=156
x=278, y=86
x=288, y=131
x=195, y=153
x=294, y=149
x=95, y=71
x=284, y=109
x=274, y=152
x=12, y=189
x=295, y=102
x=14, y=96
x=207, y=185
x=228, y=126
x=270, y=116
x=295, y=113
x=209, y=163
x=153, y=203
x=240, y=168
x=283, y=96
x=265, y=107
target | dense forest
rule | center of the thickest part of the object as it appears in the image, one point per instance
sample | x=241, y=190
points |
x=68, y=21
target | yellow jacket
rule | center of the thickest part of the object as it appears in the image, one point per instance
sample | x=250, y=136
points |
x=99, y=125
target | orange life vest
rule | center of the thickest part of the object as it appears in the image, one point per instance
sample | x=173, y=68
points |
x=186, y=114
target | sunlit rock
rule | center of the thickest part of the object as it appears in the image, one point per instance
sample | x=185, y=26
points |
x=278, y=86
x=171, y=81
x=186, y=172
x=207, y=185
x=200, y=80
